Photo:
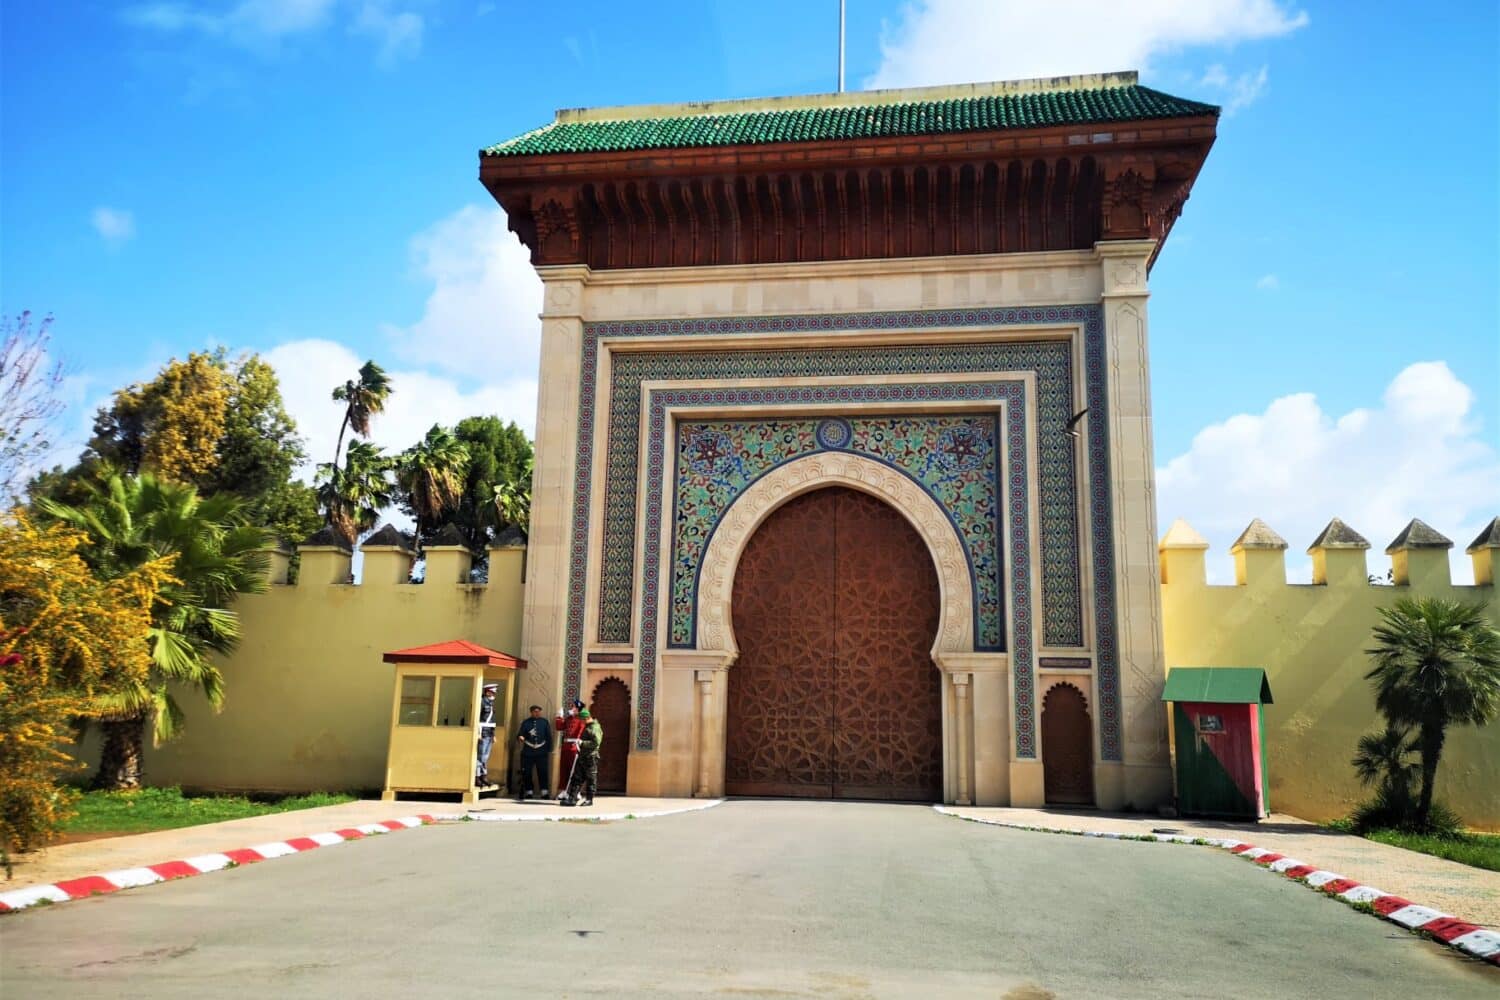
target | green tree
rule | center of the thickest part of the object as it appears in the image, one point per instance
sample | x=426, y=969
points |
x=353, y=495
x=258, y=452
x=169, y=426
x=133, y=521
x=229, y=413
x=65, y=636
x=1437, y=664
x=431, y=475
x=363, y=397
x=498, y=453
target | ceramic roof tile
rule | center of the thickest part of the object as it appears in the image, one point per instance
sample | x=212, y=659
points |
x=453, y=651
x=986, y=113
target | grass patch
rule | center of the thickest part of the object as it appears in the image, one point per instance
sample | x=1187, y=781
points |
x=168, y=809
x=1477, y=850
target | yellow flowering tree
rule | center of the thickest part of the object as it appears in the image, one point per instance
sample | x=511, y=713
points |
x=67, y=639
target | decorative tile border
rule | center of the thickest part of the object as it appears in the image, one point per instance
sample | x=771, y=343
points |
x=1016, y=504
x=1056, y=475
x=954, y=457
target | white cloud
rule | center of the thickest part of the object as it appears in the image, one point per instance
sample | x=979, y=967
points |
x=481, y=316
x=310, y=369
x=262, y=25
x=115, y=226
x=1268, y=283
x=1420, y=453
x=398, y=33
x=1240, y=91
x=962, y=41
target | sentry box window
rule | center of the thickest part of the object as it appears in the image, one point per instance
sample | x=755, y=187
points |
x=416, y=700
x=1210, y=723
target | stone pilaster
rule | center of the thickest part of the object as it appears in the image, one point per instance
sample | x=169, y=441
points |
x=1146, y=776
x=544, y=623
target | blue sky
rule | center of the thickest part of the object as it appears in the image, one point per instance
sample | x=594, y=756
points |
x=299, y=177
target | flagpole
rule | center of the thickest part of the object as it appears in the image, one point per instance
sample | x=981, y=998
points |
x=841, y=46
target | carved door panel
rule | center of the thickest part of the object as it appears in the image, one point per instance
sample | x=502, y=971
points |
x=1067, y=748
x=889, y=731
x=834, y=693
x=610, y=704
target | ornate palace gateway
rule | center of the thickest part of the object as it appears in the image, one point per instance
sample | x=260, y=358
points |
x=844, y=473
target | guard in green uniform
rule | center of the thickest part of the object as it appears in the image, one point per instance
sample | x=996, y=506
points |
x=586, y=773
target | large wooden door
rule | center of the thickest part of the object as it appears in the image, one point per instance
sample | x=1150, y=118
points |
x=610, y=704
x=834, y=694
x=1067, y=748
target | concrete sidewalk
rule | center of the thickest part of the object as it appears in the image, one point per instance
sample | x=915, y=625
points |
x=71, y=861
x=1471, y=893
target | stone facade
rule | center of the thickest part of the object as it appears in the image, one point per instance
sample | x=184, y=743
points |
x=637, y=362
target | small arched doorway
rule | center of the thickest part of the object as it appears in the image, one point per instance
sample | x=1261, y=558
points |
x=610, y=704
x=834, y=693
x=1067, y=748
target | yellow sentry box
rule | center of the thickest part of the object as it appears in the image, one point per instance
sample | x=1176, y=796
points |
x=435, y=717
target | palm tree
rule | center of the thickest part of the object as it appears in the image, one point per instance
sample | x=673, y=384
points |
x=431, y=473
x=1384, y=760
x=513, y=498
x=363, y=397
x=1437, y=664
x=132, y=520
x=353, y=496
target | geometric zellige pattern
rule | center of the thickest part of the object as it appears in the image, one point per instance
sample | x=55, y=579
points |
x=1061, y=583
x=834, y=693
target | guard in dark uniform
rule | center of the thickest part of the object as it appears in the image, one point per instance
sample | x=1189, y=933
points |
x=535, y=738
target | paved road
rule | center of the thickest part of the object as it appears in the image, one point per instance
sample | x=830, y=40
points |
x=771, y=899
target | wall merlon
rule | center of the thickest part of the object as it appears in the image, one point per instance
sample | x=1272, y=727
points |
x=321, y=564
x=1419, y=556
x=448, y=564
x=1259, y=556
x=1182, y=554
x=278, y=564
x=1482, y=552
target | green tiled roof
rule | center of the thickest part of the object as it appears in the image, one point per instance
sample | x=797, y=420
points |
x=1097, y=106
x=1219, y=685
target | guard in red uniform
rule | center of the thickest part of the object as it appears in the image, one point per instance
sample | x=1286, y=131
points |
x=570, y=730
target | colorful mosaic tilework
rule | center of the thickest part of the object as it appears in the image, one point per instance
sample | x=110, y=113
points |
x=953, y=457
x=1022, y=651
x=1050, y=361
x=1062, y=614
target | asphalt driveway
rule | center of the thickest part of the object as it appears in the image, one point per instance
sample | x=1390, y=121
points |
x=752, y=898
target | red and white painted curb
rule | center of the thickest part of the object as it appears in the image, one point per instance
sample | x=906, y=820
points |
x=1470, y=938
x=129, y=878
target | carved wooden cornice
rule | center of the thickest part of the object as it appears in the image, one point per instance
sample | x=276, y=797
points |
x=1001, y=192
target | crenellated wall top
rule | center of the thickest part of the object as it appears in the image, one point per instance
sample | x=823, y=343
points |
x=1419, y=556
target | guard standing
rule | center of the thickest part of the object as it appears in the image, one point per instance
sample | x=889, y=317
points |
x=586, y=778
x=569, y=728
x=486, y=735
x=535, y=738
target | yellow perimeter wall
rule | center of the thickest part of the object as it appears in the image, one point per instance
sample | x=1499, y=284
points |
x=1310, y=638
x=309, y=700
